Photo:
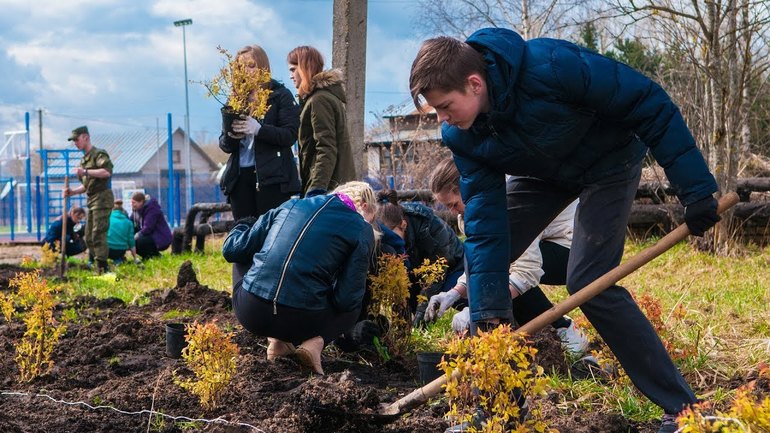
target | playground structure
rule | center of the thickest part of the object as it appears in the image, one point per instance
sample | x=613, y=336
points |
x=31, y=194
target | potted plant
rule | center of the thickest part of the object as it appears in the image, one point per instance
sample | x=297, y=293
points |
x=430, y=343
x=240, y=90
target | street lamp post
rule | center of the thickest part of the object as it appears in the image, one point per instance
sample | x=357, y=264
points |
x=188, y=159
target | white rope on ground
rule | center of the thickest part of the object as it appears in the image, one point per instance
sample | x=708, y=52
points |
x=721, y=418
x=141, y=412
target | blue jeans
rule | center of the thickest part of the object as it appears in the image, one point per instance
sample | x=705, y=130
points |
x=597, y=247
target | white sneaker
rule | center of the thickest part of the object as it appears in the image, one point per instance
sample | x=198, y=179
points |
x=572, y=338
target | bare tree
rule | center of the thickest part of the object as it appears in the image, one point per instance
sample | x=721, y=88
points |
x=725, y=46
x=530, y=18
x=409, y=147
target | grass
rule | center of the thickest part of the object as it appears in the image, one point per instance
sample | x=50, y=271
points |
x=131, y=283
x=716, y=305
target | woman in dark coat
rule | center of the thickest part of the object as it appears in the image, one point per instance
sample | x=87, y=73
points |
x=261, y=172
x=289, y=292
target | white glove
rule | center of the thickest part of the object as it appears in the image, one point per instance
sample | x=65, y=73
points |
x=461, y=321
x=441, y=302
x=246, y=125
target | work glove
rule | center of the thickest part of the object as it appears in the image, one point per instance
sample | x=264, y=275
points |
x=249, y=221
x=439, y=303
x=246, y=125
x=364, y=332
x=701, y=215
x=461, y=321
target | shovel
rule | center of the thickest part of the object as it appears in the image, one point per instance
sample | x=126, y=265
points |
x=63, y=244
x=421, y=395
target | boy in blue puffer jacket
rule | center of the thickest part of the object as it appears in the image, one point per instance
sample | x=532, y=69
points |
x=575, y=124
x=304, y=267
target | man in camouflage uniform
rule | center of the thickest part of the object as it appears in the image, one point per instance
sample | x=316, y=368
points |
x=94, y=174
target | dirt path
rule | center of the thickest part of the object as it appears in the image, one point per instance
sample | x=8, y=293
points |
x=13, y=254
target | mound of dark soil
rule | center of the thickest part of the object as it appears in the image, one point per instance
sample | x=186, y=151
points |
x=113, y=355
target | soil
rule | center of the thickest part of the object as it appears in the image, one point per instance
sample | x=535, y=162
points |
x=113, y=355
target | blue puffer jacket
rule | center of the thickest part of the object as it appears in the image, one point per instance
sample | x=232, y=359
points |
x=567, y=115
x=310, y=253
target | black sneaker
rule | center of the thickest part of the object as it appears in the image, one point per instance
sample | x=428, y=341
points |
x=668, y=424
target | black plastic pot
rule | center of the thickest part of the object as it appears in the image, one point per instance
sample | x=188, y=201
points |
x=427, y=362
x=175, y=339
x=228, y=115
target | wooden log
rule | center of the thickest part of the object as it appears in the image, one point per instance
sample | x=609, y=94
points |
x=752, y=214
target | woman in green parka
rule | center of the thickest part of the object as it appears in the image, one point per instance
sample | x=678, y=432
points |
x=325, y=155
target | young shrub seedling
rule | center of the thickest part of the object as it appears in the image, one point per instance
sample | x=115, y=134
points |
x=390, y=293
x=211, y=355
x=493, y=367
x=746, y=414
x=235, y=86
x=427, y=275
x=49, y=255
x=35, y=296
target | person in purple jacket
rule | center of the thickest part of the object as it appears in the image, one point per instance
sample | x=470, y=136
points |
x=153, y=234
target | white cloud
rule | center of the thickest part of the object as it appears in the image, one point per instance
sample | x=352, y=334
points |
x=121, y=62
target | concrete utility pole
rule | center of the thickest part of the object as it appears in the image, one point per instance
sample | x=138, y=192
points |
x=188, y=160
x=349, y=55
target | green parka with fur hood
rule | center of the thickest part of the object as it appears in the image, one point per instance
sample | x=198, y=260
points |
x=325, y=155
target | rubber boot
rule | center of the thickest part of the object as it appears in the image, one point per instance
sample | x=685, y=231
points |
x=309, y=354
x=277, y=348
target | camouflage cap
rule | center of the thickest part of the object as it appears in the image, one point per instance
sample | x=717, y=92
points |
x=77, y=131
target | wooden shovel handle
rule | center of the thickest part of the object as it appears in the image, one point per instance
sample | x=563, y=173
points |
x=421, y=395
x=63, y=244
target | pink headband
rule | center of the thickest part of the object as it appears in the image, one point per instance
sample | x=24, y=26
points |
x=345, y=199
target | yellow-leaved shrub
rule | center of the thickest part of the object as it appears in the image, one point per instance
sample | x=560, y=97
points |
x=485, y=373
x=211, y=356
x=36, y=299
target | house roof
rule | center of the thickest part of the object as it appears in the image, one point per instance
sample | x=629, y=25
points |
x=408, y=109
x=131, y=150
x=405, y=136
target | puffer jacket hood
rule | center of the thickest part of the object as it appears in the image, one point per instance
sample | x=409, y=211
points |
x=505, y=45
x=330, y=80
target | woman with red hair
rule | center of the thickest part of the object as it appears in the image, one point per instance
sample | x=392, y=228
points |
x=325, y=155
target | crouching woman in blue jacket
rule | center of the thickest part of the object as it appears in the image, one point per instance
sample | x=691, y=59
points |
x=307, y=263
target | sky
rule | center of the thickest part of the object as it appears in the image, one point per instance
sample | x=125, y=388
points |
x=118, y=65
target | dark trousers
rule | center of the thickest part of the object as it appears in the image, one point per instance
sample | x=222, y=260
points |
x=73, y=247
x=145, y=247
x=533, y=302
x=117, y=254
x=245, y=200
x=293, y=325
x=597, y=247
